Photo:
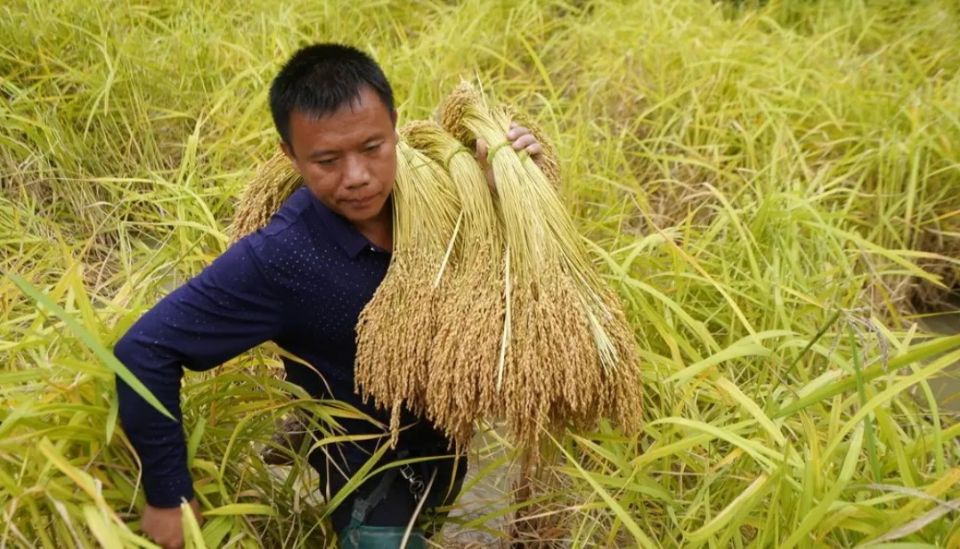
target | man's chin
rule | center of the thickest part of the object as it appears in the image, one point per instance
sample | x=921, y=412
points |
x=365, y=214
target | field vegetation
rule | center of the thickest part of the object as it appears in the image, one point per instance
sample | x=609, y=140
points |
x=773, y=188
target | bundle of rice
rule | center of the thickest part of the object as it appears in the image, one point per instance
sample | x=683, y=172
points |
x=569, y=355
x=395, y=329
x=468, y=343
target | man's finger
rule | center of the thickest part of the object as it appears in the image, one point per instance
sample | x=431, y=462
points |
x=516, y=131
x=534, y=150
x=524, y=141
x=482, y=150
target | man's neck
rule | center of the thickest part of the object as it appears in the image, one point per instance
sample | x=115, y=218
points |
x=379, y=230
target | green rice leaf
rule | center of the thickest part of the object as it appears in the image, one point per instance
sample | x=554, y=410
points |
x=240, y=509
x=81, y=333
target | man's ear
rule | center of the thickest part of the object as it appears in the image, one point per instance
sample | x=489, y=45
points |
x=393, y=118
x=288, y=152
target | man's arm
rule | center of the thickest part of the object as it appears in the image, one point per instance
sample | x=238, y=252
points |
x=228, y=308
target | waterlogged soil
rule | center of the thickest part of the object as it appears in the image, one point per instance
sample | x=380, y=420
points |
x=490, y=478
x=946, y=386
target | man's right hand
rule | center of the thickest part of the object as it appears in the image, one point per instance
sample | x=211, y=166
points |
x=164, y=526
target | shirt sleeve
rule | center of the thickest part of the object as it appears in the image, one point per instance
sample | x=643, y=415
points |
x=231, y=306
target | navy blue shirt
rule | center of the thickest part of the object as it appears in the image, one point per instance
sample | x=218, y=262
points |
x=301, y=281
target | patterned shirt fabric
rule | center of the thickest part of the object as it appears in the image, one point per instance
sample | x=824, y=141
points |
x=301, y=281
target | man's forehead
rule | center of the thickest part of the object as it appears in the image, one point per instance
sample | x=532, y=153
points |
x=364, y=119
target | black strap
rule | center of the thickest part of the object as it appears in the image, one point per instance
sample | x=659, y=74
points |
x=363, y=506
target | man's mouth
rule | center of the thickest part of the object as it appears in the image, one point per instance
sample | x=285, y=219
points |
x=361, y=202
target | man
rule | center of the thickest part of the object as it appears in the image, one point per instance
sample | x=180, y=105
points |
x=301, y=282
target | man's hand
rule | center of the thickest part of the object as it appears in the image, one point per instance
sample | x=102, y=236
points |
x=520, y=139
x=164, y=525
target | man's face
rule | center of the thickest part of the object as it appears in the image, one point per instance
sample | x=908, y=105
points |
x=348, y=159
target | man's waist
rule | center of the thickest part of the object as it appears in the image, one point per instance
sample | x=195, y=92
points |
x=417, y=433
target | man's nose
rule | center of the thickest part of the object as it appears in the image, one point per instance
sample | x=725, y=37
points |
x=355, y=173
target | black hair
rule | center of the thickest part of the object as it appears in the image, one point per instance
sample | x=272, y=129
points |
x=319, y=79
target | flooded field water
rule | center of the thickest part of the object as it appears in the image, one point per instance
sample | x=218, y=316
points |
x=946, y=387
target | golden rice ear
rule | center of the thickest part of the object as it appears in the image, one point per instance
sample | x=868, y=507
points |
x=452, y=109
x=275, y=181
x=420, y=134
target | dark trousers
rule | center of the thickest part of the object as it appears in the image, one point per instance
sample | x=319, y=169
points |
x=399, y=504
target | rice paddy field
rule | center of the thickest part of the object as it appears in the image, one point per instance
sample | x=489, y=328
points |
x=772, y=188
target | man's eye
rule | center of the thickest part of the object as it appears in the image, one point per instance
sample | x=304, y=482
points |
x=326, y=161
x=373, y=147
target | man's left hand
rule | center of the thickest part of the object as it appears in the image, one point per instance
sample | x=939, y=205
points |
x=520, y=139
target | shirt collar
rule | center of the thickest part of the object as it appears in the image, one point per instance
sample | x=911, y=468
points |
x=340, y=230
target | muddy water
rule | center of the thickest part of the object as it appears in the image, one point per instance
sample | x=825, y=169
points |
x=490, y=478
x=946, y=387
